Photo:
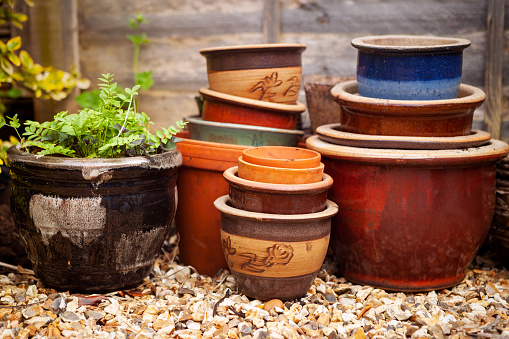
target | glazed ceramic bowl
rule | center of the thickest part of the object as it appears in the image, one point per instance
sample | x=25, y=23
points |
x=266, y=72
x=279, y=175
x=424, y=118
x=274, y=256
x=277, y=156
x=238, y=134
x=404, y=67
x=221, y=107
x=261, y=197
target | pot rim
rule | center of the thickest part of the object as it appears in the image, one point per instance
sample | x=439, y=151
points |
x=167, y=160
x=210, y=144
x=231, y=176
x=295, y=108
x=201, y=122
x=222, y=206
x=346, y=94
x=294, y=171
x=250, y=48
x=493, y=151
x=303, y=162
x=435, y=44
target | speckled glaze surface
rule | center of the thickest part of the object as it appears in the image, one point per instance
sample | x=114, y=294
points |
x=409, y=220
x=424, y=118
x=240, y=134
x=265, y=72
x=93, y=225
x=277, y=198
x=274, y=255
x=404, y=67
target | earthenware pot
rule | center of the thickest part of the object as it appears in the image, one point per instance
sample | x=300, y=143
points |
x=93, y=225
x=284, y=157
x=274, y=255
x=279, y=175
x=404, y=67
x=334, y=134
x=200, y=182
x=424, y=118
x=220, y=107
x=409, y=220
x=239, y=134
x=261, y=197
x=267, y=72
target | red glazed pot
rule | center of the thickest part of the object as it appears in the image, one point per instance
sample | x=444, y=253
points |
x=409, y=220
x=425, y=118
x=280, y=156
x=220, y=107
x=277, y=198
x=200, y=182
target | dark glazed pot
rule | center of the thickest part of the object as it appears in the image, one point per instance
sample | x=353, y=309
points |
x=424, y=118
x=93, y=225
x=409, y=220
x=274, y=255
x=405, y=67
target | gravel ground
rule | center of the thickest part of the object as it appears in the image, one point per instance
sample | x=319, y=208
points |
x=176, y=302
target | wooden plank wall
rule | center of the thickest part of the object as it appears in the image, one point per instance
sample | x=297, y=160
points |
x=178, y=29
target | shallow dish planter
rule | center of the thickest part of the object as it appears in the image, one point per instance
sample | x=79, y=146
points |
x=277, y=198
x=409, y=220
x=239, y=134
x=425, y=118
x=285, y=157
x=220, y=107
x=267, y=72
x=404, y=67
x=200, y=182
x=279, y=175
x=274, y=255
x=93, y=225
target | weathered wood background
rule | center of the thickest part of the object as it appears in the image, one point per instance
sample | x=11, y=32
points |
x=179, y=29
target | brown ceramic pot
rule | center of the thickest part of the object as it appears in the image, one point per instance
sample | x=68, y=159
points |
x=220, y=107
x=274, y=255
x=409, y=220
x=266, y=72
x=284, y=157
x=277, y=198
x=425, y=118
x=200, y=182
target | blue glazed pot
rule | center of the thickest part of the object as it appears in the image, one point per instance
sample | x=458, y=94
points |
x=400, y=67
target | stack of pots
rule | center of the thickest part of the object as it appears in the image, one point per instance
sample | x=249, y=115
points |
x=415, y=185
x=276, y=221
x=251, y=101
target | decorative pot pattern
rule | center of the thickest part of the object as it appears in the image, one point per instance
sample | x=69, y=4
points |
x=93, y=225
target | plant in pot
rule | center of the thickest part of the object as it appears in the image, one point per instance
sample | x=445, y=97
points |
x=94, y=193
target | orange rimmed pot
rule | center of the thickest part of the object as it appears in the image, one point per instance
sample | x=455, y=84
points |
x=283, y=157
x=279, y=175
x=200, y=182
x=277, y=198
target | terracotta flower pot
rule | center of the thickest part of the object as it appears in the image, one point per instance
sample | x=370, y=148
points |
x=93, y=225
x=425, y=118
x=283, y=157
x=238, y=134
x=405, y=67
x=220, y=107
x=277, y=198
x=409, y=220
x=267, y=72
x=279, y=175
x=200, y=182
x=274, y=255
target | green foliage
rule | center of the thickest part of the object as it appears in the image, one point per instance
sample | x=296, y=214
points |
x=106, y=131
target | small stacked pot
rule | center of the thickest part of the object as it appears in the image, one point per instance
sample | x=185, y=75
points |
x=276, y=220
x=251, y=101
x=415, y=185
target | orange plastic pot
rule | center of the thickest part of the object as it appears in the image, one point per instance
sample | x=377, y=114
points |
x=283, y=157
x=200, y=182
x=277, y=175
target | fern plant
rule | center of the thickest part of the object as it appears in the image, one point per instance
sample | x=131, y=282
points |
x=107, y=131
